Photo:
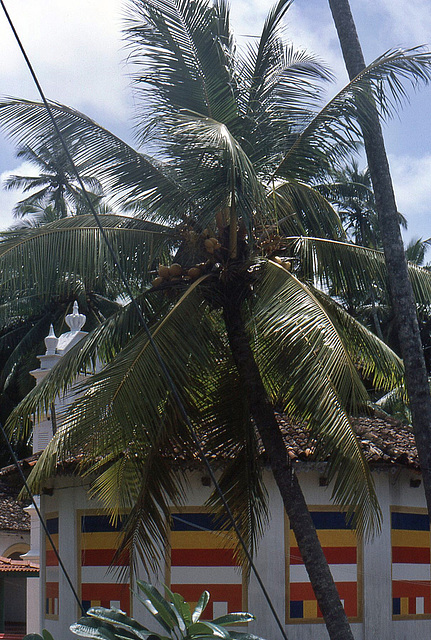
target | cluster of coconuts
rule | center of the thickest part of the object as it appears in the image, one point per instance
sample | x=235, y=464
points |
x=211, y=244
x=176, y=273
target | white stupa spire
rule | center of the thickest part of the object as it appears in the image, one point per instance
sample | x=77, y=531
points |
x=75, y=320
x=51, y=342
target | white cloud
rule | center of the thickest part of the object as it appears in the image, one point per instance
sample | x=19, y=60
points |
x=412, y=184
x=8, y=199
x=74, y=47
x=410, y=21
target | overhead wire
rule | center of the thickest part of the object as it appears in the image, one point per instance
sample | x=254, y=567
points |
x=164, y=369
x=42, y=521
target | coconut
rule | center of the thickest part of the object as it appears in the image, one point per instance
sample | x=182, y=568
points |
x=163, y=271
x=209, y=245
x=175, y=270
x=158, y=281
x=194, y=272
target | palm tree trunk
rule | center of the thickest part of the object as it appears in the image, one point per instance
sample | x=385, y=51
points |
x=399, y=284
x=285, y=477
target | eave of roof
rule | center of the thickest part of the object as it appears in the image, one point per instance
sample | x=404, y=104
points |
x=7, y=565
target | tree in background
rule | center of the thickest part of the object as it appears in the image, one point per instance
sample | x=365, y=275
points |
x=55, y=190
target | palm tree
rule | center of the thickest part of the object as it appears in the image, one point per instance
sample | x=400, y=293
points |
x=399, y=286
x=239, y=136
x=55, y=189
x=350, y=191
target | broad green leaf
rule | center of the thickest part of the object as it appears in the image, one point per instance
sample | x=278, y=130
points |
x=200, y=606
x=203, y=626
x=119, y=619
x=234, y=618
x=159, y=603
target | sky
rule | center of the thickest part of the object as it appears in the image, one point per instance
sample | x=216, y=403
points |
x=78, y=52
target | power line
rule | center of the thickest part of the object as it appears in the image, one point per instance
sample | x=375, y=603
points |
x=42, y=521
x=168, y=377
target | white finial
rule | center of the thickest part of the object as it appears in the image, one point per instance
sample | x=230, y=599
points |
x=75, y=321
x=51, y=342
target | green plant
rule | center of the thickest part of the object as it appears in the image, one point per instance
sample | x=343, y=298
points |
x=173, y=614
x=37, y=636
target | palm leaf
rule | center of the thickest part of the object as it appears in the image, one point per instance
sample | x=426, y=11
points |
x=52, y=259
x=186, y=61
x=310, y=375
x=349, y=268
x=371, y=355
x=332, y=134
x=124, y=173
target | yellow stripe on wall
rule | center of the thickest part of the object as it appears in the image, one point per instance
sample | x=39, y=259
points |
x=99, y=540
x=201, y=540
x=54, y=537
x=331, y=538
x=408, y=538
x=404, y=606
x=310, y=609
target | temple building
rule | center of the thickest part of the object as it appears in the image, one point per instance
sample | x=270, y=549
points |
x=384, y=582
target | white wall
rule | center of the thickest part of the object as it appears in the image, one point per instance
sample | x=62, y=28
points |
x=393, y=490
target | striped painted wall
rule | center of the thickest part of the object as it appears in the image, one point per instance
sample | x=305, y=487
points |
x=98, y=542
x=202, y=557
x=342, y=552
x=51, y=569
x=411, y=577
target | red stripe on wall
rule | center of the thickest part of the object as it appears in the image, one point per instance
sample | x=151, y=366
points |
x=203, y=558
x=102, y=558
x=51, y=558
x=411, y=554
x=107, y=592
x=334, y=555
x=51, y=590
x=406, y=588
x=347, y=591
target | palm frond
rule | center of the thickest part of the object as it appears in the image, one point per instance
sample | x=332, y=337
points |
x=216, y=165
x=52, y=259
x=227, y=433
x=129, y=396
x=300, y=206
x=186, y=61
x=333, y=133
x=124, y=173
x=348, y=268
x=371, y=355
x=310, y=375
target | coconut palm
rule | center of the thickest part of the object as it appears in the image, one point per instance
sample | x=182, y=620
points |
x=55, y=187
x=399, y=285
x=240, y=135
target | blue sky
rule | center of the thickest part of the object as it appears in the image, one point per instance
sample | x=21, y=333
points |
x=77, y=50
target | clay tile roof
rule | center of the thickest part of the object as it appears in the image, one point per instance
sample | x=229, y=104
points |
x=7, y=565
x=383, y=439
x=12, y=514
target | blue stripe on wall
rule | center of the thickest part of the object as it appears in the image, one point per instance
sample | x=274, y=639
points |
x=195, y=522
x=410, y=521
x=52, y=525
x=98, y=523
x=330, y=520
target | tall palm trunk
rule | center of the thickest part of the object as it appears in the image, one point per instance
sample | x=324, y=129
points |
x=285, y=477
x=399, y=284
